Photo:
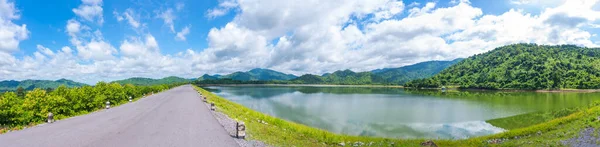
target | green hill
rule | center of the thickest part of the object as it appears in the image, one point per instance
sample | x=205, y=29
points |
x=394, y=76
x=421, y=70
x=257, y=74
x=207, y=77
x=149, y=81
x=12, y=85
x=523, y=66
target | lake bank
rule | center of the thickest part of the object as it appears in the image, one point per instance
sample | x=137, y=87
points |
x=304, y=85
x=278, y=132
x=400, y=86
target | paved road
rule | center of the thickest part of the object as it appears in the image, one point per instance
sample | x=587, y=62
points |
x=174, y=118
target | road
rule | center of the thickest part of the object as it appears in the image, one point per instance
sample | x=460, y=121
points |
x=176, y=118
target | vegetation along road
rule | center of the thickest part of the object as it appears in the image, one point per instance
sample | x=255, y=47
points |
x=176, y=117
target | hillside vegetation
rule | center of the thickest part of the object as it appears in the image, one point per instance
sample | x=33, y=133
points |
x=32, y=84
x=32, y=107
x=388, y=76
x=523, y=66
x=148, y=81
x=257, y=74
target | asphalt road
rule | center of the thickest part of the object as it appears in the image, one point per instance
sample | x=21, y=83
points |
x=174, y=118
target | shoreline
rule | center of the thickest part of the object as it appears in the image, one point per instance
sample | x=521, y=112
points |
x=278, y=132
x=402, y=87
x=303, y=85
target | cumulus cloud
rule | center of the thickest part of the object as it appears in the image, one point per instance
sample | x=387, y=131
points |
x=306, y=37
x=90, y=10
x=317, y=38
x=136, y=47
x=11, y=34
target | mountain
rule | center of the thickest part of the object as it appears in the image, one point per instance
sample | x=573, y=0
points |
x=523, y=66
x=149, y=81
x=394, y=76
x=207, y=77
x=32, y=84
x=421, y=70
x=257, y=74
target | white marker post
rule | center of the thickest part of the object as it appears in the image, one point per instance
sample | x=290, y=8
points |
x=212, y=106
x=129, y=98
x=50, y=117
x=107, y=105
x=240, y=130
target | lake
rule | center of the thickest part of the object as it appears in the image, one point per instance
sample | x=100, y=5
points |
x=396, y=112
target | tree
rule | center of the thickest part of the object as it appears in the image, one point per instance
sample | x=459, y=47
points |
x=20, y=92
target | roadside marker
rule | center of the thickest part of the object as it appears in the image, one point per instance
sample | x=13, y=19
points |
x=50, y=117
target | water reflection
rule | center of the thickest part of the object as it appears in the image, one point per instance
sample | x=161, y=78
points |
x=394, y=112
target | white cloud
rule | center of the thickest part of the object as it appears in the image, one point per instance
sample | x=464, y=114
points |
x=181, y=35
x=135, y=47
x=90, y=10
x=96, y=50
x=224, y=7
x=179, y=6
x=168, y=18
x=45, y=50
x=11, y=34
x=306, y=37
x=132, y=18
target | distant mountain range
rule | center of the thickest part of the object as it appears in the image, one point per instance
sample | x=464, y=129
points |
x=12, y=85
x=257, y=74
x=149, y=81
x=396, y=76
x=399, y=75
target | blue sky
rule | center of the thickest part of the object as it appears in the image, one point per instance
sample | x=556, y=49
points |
x=105, y=40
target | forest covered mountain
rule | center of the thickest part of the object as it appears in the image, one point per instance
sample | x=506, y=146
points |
x=523, y=66
x=149, y=81
x=388, y=76
x=12, y=85
x=257, y=74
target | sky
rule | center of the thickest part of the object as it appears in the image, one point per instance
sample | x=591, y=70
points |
x=105, y=40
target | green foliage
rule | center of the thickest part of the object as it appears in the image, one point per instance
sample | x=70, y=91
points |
x=63, y=102
x=257, y=74
x=523, y=66
x=148, y=81
x=32, y=84
x=389, y=76
x=421, y=70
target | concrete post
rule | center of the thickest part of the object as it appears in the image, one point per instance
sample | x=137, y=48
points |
x=204, y=98
x=212, y=106
x=129, y=98
x=107, y=105
x=50, y=117
x=240, y=130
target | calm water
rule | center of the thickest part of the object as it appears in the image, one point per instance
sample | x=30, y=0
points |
x=398, y=113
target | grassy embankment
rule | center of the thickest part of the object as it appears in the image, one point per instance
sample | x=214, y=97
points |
x=279, y=132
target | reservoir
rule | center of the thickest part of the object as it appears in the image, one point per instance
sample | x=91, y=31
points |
x=397, y=112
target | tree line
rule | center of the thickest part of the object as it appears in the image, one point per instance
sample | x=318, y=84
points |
x=23, y=108
x=523, y=66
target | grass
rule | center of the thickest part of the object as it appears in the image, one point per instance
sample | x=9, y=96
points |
x=530, y=119
x=279, y=132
